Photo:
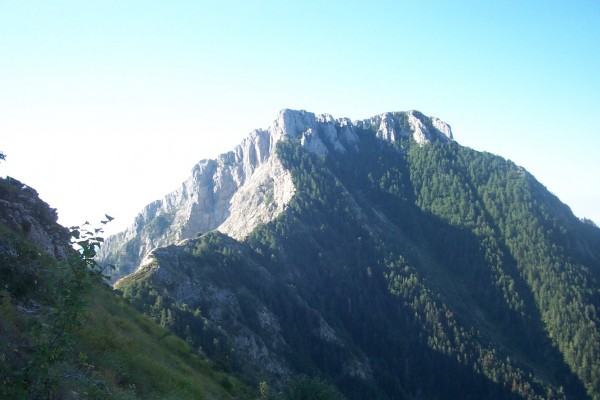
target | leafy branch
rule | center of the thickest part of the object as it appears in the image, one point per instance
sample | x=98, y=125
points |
x=87, y=242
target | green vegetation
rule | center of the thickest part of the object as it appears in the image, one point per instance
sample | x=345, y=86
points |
x=66, y=334
x=303, y=387
x=531, y=244
x=132, y=351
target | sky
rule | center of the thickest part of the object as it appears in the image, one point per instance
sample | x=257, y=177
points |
x=107, y=105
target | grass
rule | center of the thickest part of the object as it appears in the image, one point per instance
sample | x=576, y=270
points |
x=132, y=353
x=54, y=347
x=116, y=352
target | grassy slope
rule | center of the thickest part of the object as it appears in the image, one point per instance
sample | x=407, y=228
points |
x=117, y=353
x=113, y=352
x=130, y=351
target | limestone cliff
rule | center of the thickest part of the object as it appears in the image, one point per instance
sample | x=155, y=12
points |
x=248, y=186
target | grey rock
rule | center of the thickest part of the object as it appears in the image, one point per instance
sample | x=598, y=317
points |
x=23, y=211
x=248, y=186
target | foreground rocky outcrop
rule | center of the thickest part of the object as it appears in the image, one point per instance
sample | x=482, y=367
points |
x=21, y=210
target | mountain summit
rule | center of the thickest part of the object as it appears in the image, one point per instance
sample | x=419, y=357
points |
x=248, y=186
x=379, y=257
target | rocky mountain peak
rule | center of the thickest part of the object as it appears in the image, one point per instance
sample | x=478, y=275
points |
x=292, y=123
x=248, y=186
x=393, y=126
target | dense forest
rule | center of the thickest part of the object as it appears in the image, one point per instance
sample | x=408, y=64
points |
x=398, y=271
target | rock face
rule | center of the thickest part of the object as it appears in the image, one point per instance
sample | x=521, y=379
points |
x=21, y=210
x=248, y=186
x=227, y=305
x=393, y=126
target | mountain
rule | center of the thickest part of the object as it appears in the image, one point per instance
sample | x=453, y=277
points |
x=249, y=186
x=65, y=334
x=379, y=256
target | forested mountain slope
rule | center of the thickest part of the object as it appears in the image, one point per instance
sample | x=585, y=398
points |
x=398, y=269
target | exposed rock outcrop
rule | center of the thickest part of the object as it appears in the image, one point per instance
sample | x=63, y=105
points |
x=21, y=210
x=248, y=186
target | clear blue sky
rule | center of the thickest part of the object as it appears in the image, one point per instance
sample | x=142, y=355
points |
x=107, y=105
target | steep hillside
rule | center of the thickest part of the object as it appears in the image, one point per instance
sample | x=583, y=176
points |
x=64, y=334
x=403, y=266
